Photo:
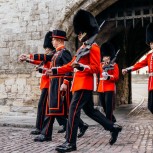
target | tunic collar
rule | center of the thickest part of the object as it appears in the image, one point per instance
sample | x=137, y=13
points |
x=60, y=48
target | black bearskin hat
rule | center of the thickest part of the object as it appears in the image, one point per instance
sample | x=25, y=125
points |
x=107, y=49
x=149, y=33
x=48, y=41
x=85, y=22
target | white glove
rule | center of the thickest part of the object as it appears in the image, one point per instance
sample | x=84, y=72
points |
x=105, y=75
x=63, y=87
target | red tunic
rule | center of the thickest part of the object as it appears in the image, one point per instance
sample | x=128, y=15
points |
x=108, y=85
x=148, y=61
x=44, y=81
x=84, y=79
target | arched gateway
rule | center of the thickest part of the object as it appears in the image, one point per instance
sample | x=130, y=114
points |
x=24, y=24
x=126, y=21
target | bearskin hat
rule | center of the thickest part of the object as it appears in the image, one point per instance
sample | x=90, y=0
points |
x=107, y=49
x=149, y=33
x=48, y=40
x=85, y=22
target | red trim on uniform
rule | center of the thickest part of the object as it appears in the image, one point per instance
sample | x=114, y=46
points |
x=45, y=99
x=49, y=95
x=74, y=116
x=57, y=114
x=54, y=36
x=59, y=76
x=47, y=106
x=45, y=57
x=60, y=48
x=68, y=97
x=48, y=126
x=31, y=56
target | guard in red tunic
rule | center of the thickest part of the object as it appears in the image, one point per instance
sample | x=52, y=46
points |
x=85, y=26
x=44, y=83
x=107, y=87
x=148, y=61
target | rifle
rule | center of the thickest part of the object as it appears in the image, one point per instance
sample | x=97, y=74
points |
x=110, y=66
x=84, y=51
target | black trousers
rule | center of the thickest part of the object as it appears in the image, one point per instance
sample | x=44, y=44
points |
x=47, y=128
x=41, y=108
x=61, y=120
x=83, y=99
x=41, y=111
x=150, y=101
x=107, y=101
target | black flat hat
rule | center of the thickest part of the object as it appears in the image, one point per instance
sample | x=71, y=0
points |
x=59, y=34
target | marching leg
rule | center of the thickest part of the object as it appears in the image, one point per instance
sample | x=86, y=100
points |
x=40, y=112
x=46, y=133
x=62, y=121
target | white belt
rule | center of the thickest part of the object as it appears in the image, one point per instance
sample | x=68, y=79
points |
x=151, y=74
x=75, y=70
x=102, y=79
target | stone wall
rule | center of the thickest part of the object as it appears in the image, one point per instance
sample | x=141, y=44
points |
x=23, y=26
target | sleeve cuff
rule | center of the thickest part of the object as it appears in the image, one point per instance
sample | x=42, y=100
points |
x=84, y=67
x=108, y=78
x=40, y=70
x=31, y=56
x=129, y=69
x=28, y=61
x=54, y=70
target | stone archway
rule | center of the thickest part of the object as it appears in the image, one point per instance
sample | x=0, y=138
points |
x=23, y=26
x=65, y=20
x=123, y=37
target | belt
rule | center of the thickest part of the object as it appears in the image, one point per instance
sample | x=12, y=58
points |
x=151, y=74
x=102, y=79
x=75, y=70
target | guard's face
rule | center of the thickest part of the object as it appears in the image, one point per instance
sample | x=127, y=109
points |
x=106, y=59
x=82, y=36
x=56, y=42
x=151, y=45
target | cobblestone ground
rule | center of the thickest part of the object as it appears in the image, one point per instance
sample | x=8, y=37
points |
x=136, y=137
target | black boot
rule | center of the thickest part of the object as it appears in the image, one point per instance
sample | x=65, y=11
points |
x=113, y=120
x=83, y=130
x=66, y=147
x=114, y=133
x=62, y=130
x=35, y=132
x=42, y=138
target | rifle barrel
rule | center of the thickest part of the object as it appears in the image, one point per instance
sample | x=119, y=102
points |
x=101, y=25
